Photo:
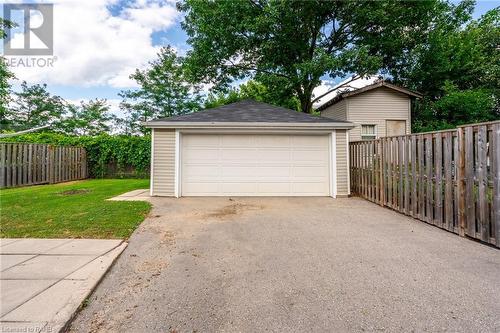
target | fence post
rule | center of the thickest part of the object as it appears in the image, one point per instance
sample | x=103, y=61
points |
x=461, y=183
x=382, y=172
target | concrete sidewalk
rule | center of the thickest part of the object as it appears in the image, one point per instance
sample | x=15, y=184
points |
x=44, y=281
x=136, y=195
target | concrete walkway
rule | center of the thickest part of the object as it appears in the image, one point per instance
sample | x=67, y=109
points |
x=136, y=195
x=44, y=281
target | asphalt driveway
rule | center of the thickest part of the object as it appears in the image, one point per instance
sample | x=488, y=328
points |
x=297, y=264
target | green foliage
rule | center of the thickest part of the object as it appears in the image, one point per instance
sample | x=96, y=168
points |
x=163, y=92
x=5, y=77
x=5, y=93
x=72, y=210
x=34, y=106
x=5, y=24
x=251, y=90
x=90, y=118
x=456, y=108
x=457, y=68
x=102, y=150
x=290, y=45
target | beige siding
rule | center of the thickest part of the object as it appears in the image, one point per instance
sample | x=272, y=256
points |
x=163, y=173
x=342, y=163
x=376, y=106
x=337, y=111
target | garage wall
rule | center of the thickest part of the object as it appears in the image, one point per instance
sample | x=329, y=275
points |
x=163, y=171
x=342, y=163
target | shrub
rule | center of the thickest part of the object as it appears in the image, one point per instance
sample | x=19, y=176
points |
x=107, y=155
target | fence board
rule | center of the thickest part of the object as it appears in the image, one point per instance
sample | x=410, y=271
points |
x=482, y=177
x=29, y=164
x=448, y=178
x=438, y=187
x=414, y=176
x=448, y=187
x=428, y=178
x=469, y=182
x=495, y=149
x=2, y=166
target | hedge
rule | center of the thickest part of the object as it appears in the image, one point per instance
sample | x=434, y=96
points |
x=129, y=154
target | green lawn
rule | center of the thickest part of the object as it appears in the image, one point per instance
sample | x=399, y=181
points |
x=72, y=210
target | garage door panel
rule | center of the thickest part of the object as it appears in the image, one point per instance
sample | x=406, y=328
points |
x=201, y=187
x=239, y=154
x=245, y=188
x=309, y=141
x=198, y=154
x=309, y=155
x=273, y=154
x=237, y=171
x=273, y=172
x=193, y=141
x=308, y=188
x=273, y=141
x=274, y=188
x=309, y=171
x=236, y=140
x=205, y=171
x=283, y=165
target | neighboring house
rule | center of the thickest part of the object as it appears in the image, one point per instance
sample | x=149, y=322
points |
x=249, y=148
x=378, y=110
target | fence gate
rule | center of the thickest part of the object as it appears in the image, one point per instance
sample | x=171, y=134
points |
x=447, y=178
x=31, y=164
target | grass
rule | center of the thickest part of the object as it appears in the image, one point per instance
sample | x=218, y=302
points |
x=72, y=210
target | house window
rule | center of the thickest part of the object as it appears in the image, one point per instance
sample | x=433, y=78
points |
x=368, y=132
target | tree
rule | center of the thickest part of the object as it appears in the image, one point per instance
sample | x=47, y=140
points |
x=458, y=61
x=5, y=77
x=89, y=118
x=163, y=91
x=457, y=50
x=34, y=106
x=252, y=90
x=292, y=44
x=454, y=108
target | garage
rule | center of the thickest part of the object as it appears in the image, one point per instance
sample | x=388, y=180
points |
x=255, y=165
x=249, y=148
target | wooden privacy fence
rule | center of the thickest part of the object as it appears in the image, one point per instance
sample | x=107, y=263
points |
x=447, y=178
x=32, y=164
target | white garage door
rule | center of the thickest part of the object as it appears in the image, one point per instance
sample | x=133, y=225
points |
x=255, y=165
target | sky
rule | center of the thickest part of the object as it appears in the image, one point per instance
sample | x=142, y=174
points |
x=99, y=43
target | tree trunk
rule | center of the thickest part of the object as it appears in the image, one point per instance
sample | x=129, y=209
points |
x=305, y=103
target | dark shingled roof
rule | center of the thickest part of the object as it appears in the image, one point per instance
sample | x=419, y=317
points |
x=248, y=111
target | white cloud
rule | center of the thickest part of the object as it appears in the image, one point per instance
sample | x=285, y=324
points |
x=95, y=48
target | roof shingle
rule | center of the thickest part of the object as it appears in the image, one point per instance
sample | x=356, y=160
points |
x=248, y=111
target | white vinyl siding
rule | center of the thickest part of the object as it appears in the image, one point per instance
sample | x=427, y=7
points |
x=376, y=106
x=337, y=111
x=255, y=165
x=163, y=162
x=342, y=163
